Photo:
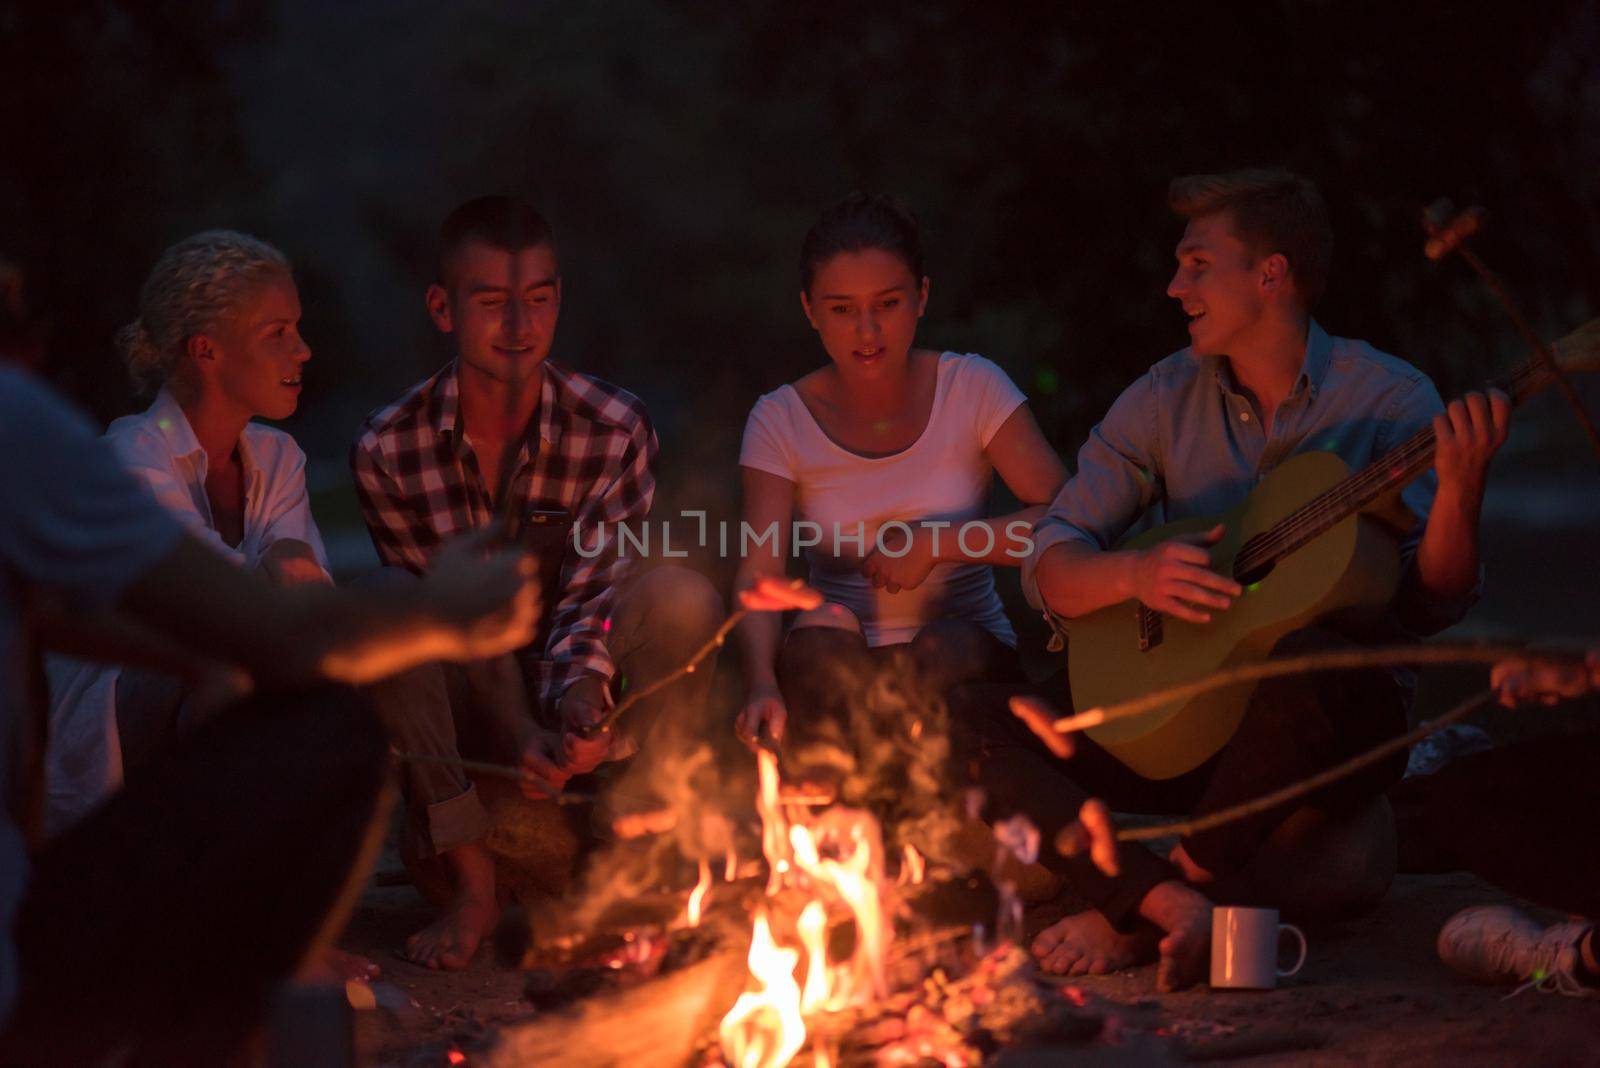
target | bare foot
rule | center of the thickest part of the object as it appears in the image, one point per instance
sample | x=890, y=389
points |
x=1185, y=915
x=335, y=967
x=1086, y=944
x=450, y=941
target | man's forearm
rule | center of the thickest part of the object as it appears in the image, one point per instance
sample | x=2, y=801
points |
x=111, y=637
x=1076, y=579
x=284, y=637
x=1447, y=556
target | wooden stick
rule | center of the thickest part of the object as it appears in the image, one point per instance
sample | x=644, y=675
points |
x=1451, y=235
x=1563, y=383
x=504, y=771
x=1311, y=784
x=1325, y=660
x=716, y=641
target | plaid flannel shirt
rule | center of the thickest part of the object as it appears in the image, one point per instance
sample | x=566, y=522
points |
x=420, y=483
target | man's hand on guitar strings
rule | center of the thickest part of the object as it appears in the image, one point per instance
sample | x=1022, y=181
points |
x=1175, y=577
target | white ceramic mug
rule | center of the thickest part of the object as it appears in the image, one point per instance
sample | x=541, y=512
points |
x=1244, y=948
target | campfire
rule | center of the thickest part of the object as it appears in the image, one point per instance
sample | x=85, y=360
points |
x=838, y=960
x=855, y=920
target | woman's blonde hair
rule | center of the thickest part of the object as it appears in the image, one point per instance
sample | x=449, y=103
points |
x=192, y=285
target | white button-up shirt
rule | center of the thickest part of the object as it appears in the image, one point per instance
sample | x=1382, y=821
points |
x=84, y=763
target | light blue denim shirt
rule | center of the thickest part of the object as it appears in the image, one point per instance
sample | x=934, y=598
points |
x=1184, y=441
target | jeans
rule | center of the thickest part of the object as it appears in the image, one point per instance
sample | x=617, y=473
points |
x=484, y=710
x=1525, y=817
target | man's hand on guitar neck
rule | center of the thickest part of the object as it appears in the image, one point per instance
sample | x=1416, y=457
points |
x=1174, y=577
x=1467, y=434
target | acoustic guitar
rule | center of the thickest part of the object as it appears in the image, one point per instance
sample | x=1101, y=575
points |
x=1311, y=543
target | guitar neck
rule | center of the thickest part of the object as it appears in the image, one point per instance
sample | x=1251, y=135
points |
x=1384, y=475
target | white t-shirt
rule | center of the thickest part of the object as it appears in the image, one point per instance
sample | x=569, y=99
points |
x=943, y=475
x=158, y=446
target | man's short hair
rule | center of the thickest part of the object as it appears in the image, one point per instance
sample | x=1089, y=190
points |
x=1271, y=210
x=505, y=223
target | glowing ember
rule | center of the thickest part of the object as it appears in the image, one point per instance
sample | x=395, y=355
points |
x=764, y=1028
x=697, y=896
x=730, y=869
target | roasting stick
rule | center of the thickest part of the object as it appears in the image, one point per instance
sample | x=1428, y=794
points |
x=504, y=771
x=1326, y=660
x=1448, y=233
x=1311, y=784
x=792, y=594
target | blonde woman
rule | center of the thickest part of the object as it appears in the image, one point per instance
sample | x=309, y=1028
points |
x=217, y=340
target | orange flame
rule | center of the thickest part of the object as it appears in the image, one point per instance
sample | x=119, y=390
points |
x=730, y=868
x=851, y=878
x=914, y=868
x=697, y=896
x=837, y=855
x=814, y=936
x=774, y=828
x=764, y=1029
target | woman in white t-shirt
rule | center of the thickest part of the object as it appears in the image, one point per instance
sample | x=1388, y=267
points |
x=879, y=465
x=218, y=339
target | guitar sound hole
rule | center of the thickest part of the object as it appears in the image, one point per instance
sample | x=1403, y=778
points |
x=1255, y=574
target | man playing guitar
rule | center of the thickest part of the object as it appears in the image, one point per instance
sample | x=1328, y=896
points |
x=1260, y=382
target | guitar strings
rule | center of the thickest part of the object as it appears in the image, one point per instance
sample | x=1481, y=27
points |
x=1327, y=509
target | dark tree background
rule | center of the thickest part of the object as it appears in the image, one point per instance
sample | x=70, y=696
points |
x=681, y=149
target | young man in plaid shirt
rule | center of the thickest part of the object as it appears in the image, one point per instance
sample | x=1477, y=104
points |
x=503, y=421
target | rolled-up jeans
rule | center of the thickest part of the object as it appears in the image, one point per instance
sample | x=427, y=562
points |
x=485, y=709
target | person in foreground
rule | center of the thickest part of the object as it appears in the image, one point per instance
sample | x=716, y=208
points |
x=884, y=434
x=504, y=435
x=157, y=927
x=218, y=339
x=1260, y=381
x=1522, y=816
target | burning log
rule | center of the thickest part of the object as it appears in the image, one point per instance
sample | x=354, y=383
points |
x=660, y=1022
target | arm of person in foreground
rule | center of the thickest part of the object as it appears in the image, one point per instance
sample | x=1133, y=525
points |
x=477, y=601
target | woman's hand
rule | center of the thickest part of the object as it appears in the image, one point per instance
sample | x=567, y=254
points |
x=764, y=708
x=906, y=571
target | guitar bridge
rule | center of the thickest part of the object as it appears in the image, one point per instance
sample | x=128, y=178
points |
x=1150, y=628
